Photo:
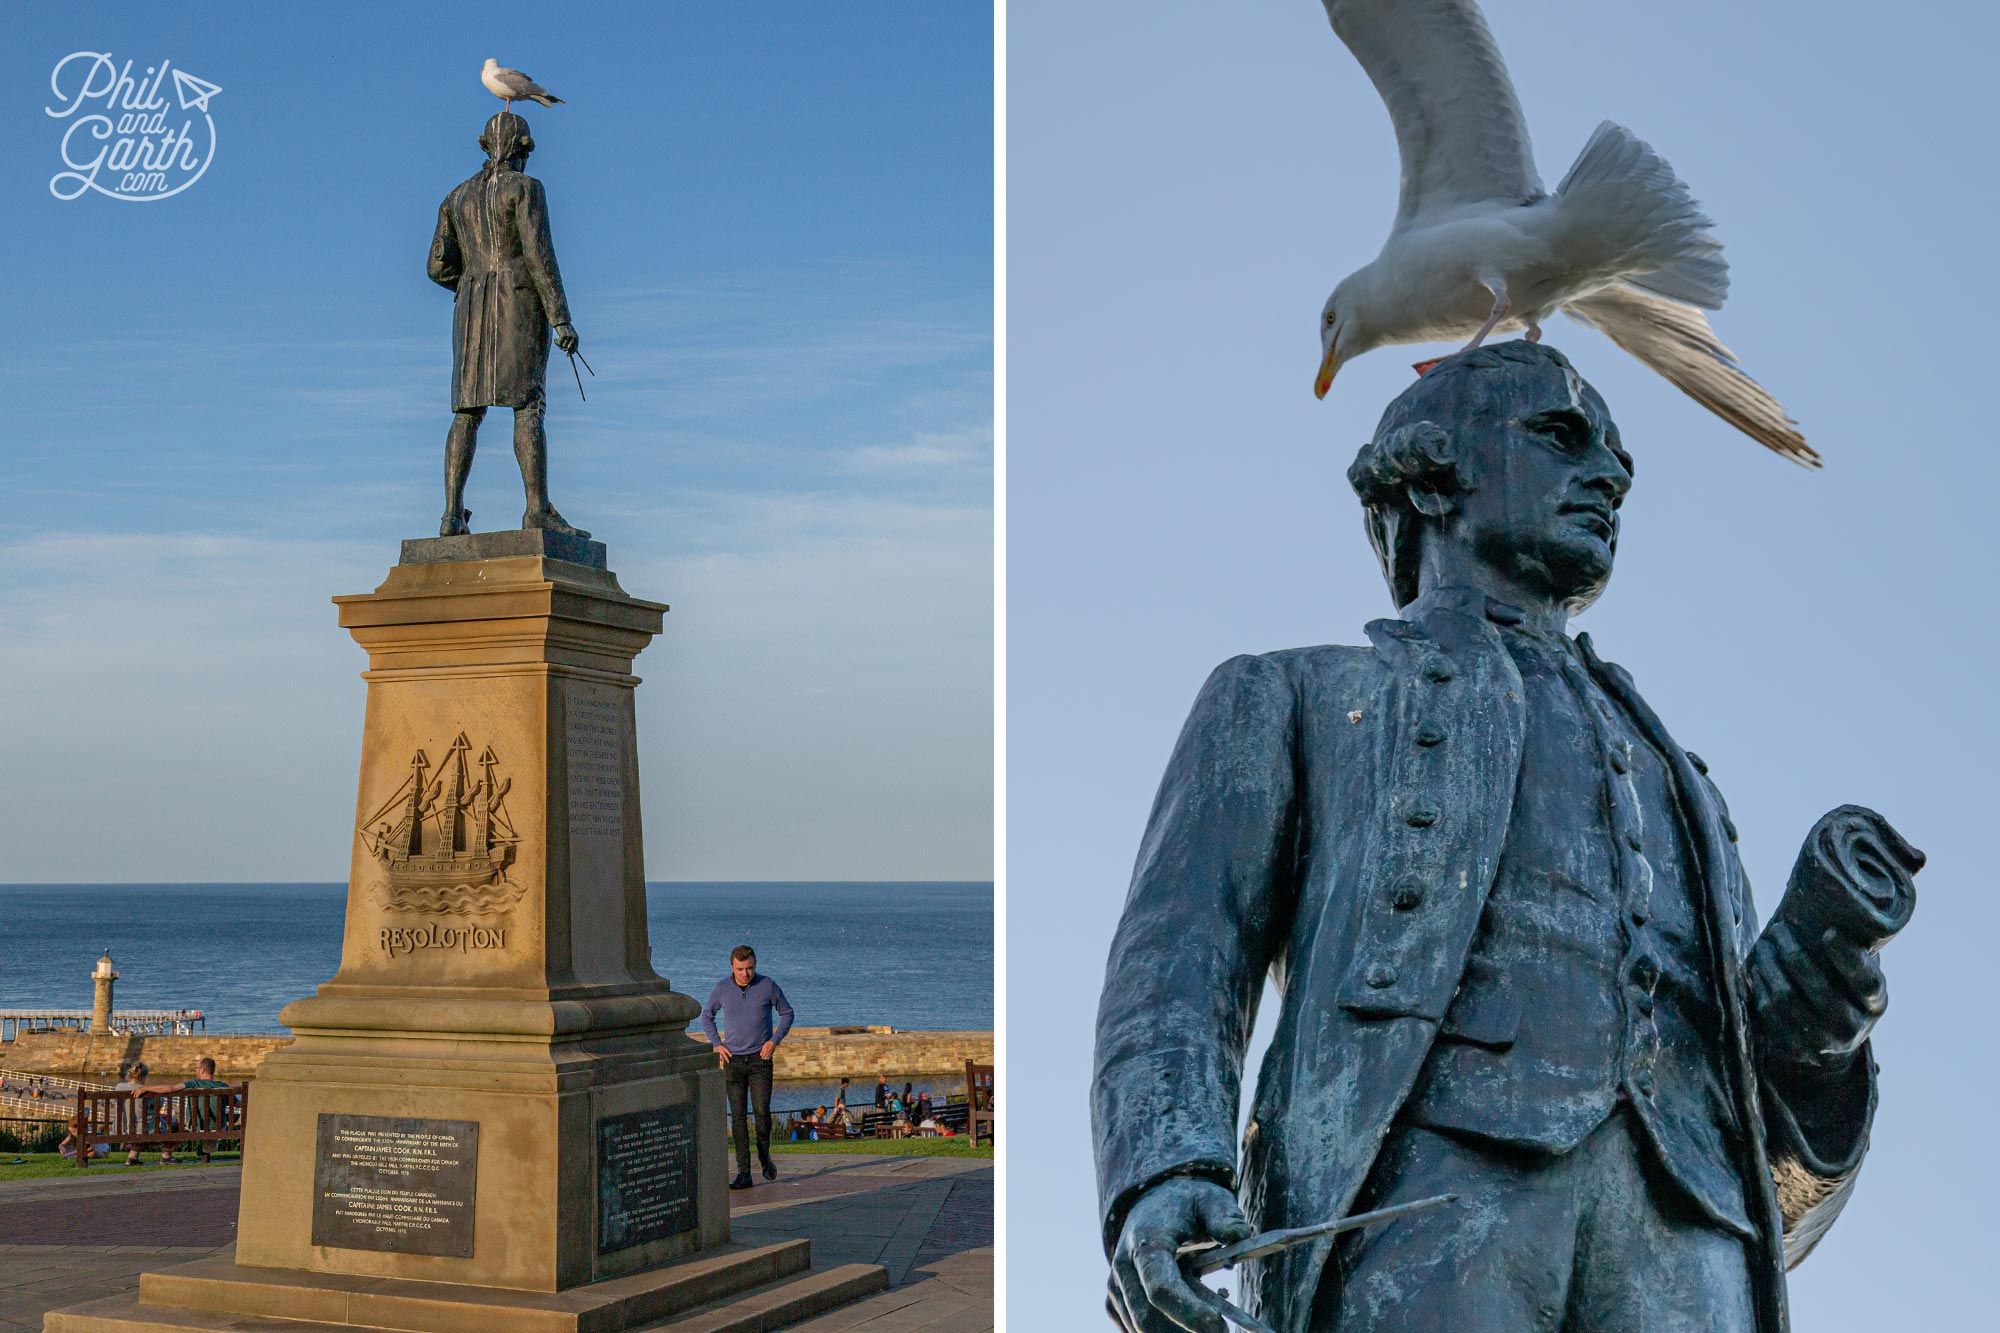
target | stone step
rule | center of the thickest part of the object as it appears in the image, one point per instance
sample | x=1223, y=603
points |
x=783, y=1303
x=762, y=1309
x=218, y=1294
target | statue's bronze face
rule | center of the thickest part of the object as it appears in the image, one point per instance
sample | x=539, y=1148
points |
x=1542, y=492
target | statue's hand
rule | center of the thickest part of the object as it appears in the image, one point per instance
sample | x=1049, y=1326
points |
x=1815, y=1005
x=1814, y=975
x=1149, y=1294
x=566, y=337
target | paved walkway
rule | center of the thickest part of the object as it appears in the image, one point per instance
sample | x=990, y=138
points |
x=928, y=1220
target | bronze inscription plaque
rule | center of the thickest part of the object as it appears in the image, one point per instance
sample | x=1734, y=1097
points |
x=381, y=1183
x=645, y=1177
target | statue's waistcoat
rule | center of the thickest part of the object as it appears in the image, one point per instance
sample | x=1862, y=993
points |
x=1590, y=979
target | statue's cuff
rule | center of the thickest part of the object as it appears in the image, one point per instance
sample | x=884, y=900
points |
x=1219, y=1173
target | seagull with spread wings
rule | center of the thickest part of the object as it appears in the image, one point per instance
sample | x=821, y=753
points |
x=511, y=85
x=1479, y=246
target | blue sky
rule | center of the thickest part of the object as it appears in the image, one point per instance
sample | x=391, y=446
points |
x=775, y=226
x=1185, y=185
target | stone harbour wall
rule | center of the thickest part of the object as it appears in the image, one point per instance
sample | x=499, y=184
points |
x=858, y=1052
x=808, y=1052
x=80, y=1055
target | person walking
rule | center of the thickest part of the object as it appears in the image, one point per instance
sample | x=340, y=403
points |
x=745, y=1002
x=841, y=1116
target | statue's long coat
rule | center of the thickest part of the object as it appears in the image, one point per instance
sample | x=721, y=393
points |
x=492, y=247
x=1304, y=786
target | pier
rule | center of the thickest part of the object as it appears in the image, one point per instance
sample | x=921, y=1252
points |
x=128, y=1022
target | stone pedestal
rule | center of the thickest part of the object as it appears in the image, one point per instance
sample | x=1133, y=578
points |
x=496, y=1091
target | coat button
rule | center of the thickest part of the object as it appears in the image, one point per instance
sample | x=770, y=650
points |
x=1640, y=914
x=1421, y=818
x=1634, y=841
x=1646, y=970
x=1644, y=1002
x=1408, y=894
x=1439, y=672
x=1380, y=976
x=1729, y=828
x=1642, y=1083
x=1699, y=766
x=1429, y=734
x=1620, y=760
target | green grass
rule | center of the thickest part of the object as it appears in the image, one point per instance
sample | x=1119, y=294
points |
x=48, y=1165
x=954, y=1147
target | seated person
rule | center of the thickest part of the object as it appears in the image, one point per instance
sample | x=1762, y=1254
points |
x=204, y=1078
x=68, y=1147
x=131, y=1078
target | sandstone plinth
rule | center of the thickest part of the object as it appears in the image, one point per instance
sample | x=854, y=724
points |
x=492, y=1114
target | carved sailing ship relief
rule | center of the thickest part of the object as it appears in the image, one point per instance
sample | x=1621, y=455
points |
x=443, y=838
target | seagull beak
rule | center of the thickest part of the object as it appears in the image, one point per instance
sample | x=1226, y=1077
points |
x=1329, y=365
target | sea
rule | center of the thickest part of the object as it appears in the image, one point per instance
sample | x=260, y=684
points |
x=911, y=955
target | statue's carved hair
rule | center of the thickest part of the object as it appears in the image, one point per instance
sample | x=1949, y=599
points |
x=1401, y=465
x=1417, y=454
x=505, y=136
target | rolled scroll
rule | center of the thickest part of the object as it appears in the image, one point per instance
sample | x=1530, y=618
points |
x=1853, y=881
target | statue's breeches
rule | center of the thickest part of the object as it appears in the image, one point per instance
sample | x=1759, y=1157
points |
x=499, y=341
x=1589, y=1239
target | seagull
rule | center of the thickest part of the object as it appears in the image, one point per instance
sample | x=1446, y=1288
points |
x=511, y=86
x=1480, y=246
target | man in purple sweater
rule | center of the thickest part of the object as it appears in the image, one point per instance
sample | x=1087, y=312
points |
x=744, y=1002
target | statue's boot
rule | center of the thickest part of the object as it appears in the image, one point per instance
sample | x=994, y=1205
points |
x=547, y=517
x=455, y=524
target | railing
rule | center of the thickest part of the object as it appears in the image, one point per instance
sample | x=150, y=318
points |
x=21, y=1078
x=57, y=1099
x=125, y=1022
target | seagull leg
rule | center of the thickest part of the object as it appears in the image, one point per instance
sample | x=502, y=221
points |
x=1534, y=333
x=1502, y=307
x=1501, y=313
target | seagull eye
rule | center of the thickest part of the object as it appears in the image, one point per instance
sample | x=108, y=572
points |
x=1329, y=319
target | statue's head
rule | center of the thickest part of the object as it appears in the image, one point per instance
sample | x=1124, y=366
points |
x=506, y=138
x=1506, y=454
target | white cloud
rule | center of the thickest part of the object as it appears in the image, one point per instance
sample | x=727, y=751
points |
x=930, y=453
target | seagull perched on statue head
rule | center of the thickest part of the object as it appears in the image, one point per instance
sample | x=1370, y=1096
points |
x=511, y=85
x=1479, y=246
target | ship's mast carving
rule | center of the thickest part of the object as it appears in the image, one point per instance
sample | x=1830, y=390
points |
x=453, y=838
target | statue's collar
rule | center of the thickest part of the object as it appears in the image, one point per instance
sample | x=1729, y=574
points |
x=1467, y=601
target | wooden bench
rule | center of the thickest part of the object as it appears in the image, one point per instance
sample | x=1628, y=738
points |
x=979, y=1098
x=192, y=1117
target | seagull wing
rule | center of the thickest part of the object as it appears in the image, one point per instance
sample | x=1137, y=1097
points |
x=1458, y=123
x=1674, y=338
x=518, y=83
